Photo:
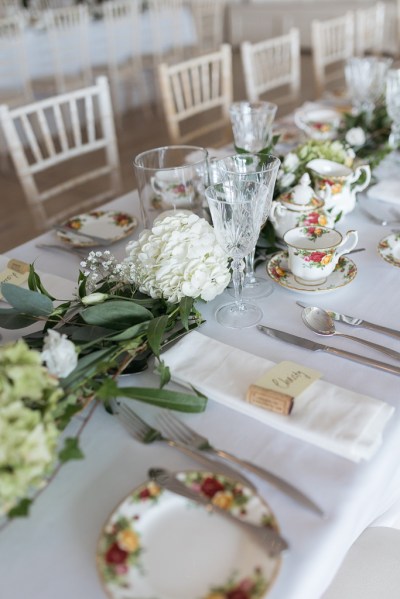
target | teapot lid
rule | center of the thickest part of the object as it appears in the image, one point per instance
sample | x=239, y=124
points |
x=301, y=196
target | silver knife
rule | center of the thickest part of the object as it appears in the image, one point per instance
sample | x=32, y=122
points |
x=85, y=236
x=268, y=537
x=357, y=322
x=313, y=346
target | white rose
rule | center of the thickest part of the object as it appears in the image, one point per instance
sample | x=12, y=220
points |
x=355, y=136
x=290, y=162
x=59, y=354
x=287, y=180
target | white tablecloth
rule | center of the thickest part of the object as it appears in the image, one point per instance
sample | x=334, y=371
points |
x=52, y=554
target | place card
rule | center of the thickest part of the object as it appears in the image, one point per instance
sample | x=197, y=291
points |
x=16, y=272
x=277, y=389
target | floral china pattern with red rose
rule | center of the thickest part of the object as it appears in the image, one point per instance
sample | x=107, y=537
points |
x=314, y=233
x=120, y=219
x=336, y=186
x=316, y=259
x=389, y=249
x=120, y=547
x=288, y=199
x=313, y=218
x=252, y=587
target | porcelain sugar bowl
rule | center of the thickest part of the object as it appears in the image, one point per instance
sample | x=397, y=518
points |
x=299, y=206
x=338, y=184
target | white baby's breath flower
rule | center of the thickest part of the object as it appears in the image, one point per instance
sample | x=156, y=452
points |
x=59, y=354
x=356, y=136
x=179, y=257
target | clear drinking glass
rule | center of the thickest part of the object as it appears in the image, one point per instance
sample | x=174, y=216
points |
x=393, y=106
x=236, y=210
x=365, y=79
x=262, y=168
x=252, y=124
x=171, y=178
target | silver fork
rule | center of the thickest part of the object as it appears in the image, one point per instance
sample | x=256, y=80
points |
x=181, y=432
x=144, y=433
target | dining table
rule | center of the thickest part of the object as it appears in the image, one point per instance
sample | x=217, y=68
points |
x=52, y=553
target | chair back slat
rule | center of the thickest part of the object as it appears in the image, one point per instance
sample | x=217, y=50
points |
x=51, y=132
x=370, y=29
x=14, y=60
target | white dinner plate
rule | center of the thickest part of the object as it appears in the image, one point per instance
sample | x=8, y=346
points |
x=110, y=225
x=278, y=269
x=159, y=545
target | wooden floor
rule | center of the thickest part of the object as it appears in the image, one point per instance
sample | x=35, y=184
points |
x=139, y=132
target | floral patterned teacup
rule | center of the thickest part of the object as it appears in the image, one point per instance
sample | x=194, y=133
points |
x=314, y=252
x=174, y=187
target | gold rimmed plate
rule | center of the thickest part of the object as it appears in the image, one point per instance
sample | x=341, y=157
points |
x=108, y=225
x=389, y=249
x=157, y=544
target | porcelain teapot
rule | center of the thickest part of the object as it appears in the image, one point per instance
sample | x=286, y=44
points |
x=338, y=184
x=299, y=207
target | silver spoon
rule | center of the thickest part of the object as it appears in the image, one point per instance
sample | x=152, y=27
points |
x=320, y=322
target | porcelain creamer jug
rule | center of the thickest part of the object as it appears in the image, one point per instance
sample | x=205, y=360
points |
x=338, y=184
x=299, y=207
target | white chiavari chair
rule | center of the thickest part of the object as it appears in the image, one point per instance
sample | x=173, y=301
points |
x=167, y=27
x=124, y=15
x=59, y=133
x=332, y=42
x=370, y=568
x=272, y=64
x=68, y=31
x=8, y=8
x=14, y=61
x=196, y=95
x=209, y=21
x=370, y=30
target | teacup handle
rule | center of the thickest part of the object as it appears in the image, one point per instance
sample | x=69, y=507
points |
x=352, y=238
x=364, y=168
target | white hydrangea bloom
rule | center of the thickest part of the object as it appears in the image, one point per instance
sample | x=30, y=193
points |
x=59, y=354
x=179, y=257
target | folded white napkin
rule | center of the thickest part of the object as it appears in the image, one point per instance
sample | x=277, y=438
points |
x=387, y=190
x=338, y=420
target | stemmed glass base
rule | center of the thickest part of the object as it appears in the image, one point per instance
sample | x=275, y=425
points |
x=238, y=317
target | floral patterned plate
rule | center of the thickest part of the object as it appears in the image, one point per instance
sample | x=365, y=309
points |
x=389, y=249
x=158, y=545
x=110, y=225
x=278, y=270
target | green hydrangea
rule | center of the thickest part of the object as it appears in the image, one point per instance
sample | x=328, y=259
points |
x=330, y=150
x=28, y=431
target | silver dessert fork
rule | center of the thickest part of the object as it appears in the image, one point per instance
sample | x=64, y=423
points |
x=144, y=433
x=181, y=432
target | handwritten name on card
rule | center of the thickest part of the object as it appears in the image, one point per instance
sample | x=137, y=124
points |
x=17, y=273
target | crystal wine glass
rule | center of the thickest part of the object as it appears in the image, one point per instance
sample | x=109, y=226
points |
x=236, y=209
x=393, y=106
x=264, y=169
x=365, y=78
x=252, y=124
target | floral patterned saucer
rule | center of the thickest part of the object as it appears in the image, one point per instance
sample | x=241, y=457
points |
x=109, y=225
x=278, y=270
x=389, y=249
x=159, y=545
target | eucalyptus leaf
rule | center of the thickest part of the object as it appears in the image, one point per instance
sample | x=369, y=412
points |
x=116, y=314
x=185, y=308
x=155, y=331
x=35, y=283
x=27, y=301
x=129, y=333
x=12, y=319
x=86, y=366
x=164, y=398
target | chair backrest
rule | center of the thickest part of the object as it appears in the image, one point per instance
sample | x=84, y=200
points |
x=332, y=43
x=195, y=87
x=272, y=64
x=46, y=134
x=167, y=28
x=14, y=71
x=121, y=17
x=68, y=31
x=209, y=21
x=370, y=29
x=9, y=8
